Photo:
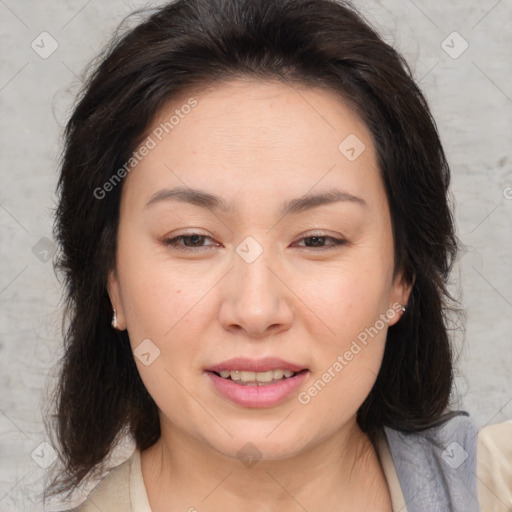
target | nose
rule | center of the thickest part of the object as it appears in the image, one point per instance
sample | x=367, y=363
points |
x=255, y=299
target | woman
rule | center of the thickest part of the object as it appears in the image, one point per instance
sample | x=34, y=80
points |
x=256, y=240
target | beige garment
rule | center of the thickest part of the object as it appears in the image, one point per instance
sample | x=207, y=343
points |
x=122, y=489
x=494, y=467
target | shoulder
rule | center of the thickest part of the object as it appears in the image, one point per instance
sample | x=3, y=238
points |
x=437, y=465
x=111, y=493
x=461, y=464
x=494, y=467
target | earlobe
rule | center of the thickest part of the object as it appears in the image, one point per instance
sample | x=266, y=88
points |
x=400, y=297
x=118, y=318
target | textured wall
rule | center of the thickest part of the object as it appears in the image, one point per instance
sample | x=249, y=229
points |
x=45, y=46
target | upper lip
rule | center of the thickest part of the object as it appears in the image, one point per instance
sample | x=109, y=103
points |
x=255, y=365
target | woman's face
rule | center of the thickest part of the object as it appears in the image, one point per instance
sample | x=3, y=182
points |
x=258, y=272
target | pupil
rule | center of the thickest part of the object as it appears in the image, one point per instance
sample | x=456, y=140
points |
x=316, y=238
x=194, y=239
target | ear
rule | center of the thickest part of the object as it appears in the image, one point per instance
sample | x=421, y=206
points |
x=399, y=297
x=115, y=299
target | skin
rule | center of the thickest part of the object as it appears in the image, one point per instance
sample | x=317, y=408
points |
x=257, y=144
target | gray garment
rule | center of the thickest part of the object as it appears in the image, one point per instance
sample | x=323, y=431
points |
x=437, y=467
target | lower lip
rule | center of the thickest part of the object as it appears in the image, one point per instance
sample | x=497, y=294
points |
x=268, y=395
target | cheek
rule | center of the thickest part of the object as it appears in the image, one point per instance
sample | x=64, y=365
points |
x=349, y=364
x=348, y=298
x=159, y=297
x=168, y=307
x=354, y=313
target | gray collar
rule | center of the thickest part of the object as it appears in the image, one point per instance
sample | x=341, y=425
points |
x=437, y=467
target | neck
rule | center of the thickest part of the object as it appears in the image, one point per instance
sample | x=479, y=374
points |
x=341, y=473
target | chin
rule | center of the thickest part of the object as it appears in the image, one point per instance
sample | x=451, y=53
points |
x=264, y=443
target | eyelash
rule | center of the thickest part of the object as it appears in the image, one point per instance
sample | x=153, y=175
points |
x=172, y=242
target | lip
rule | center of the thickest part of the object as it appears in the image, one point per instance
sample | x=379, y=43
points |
x=269, y=395
x=255, y=365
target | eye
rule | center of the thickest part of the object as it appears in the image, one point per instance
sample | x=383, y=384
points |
x=317, y=241
x=191, y=242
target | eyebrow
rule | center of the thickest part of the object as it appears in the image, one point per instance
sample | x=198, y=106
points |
x=213, y=202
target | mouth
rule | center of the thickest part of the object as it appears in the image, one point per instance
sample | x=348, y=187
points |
x=266, y=382
x=250, y=378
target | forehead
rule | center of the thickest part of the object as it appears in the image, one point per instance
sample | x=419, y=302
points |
x=265, y=137
x=246, y=113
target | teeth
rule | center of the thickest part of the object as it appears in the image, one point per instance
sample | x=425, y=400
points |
x=256, y=377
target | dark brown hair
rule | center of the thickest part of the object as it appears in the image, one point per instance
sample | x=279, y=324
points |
x=190, y=45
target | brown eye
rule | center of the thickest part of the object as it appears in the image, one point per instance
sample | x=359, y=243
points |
x=318, y=242
x=190, y=241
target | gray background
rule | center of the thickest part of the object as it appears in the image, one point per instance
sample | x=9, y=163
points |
x=471, y=98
